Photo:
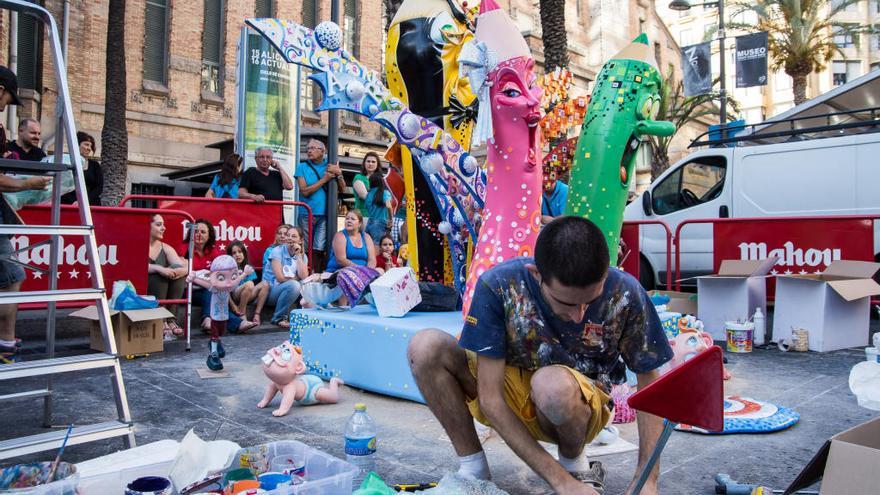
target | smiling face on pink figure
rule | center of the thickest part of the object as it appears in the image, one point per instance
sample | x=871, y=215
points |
x=516, y=112
x=286, y=364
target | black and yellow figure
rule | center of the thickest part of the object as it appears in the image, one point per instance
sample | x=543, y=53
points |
x=421, y=66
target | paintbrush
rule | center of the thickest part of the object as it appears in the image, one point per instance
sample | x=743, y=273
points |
x=57, y=461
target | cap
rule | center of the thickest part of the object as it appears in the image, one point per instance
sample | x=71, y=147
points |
x=360, y=406
x=10, y=82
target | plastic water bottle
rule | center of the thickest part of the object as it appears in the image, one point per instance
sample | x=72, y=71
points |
x=360, y=443
x=760, y=327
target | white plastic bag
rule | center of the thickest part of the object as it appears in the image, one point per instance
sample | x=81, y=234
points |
x=864, y=381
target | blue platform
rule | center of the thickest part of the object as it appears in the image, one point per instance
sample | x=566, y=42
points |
x=364, y=349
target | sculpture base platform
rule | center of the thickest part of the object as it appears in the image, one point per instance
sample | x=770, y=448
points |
x=364, y=349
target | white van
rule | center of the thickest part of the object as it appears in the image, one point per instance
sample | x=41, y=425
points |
x=817, y=177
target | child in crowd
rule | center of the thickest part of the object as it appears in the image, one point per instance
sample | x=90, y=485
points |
x=280, y=238
x=248, y=288
x=378, y=205
x=386, y=259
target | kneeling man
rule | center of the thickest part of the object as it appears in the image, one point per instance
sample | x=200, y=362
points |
x=544, y=341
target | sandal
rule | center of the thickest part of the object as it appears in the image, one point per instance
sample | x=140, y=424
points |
x=174, y=327
x=245, y=326
x=283, y=323
x=257, y=320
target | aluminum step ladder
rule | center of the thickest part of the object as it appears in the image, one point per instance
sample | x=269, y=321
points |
x=108, y=361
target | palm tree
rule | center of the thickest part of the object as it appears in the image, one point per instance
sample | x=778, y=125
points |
x=553, y=35
x=114, y=135
x=801, y=34
x=681, y=110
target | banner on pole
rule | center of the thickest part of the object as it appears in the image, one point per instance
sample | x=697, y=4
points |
x=268, y=114
x=751, y=60
x=696, y=63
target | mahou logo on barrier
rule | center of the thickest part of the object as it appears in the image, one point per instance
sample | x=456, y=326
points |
x=251, y=223
x=123, y=249
x=802, y=246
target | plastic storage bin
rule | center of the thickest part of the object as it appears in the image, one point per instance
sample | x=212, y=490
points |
x=324, y=474
x=114, y=483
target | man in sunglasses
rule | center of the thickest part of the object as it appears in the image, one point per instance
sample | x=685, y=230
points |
x=545, y=340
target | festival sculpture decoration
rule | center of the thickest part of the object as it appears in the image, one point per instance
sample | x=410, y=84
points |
x=424, y=40
x=500, y=68
x=620, y=114
x=284, y=367
x=455, y=178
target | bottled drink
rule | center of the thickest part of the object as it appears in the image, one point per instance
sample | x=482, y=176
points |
x=760, y=327
x=360, y=443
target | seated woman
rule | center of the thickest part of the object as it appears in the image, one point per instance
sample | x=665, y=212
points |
x=247, y=289
x=351, y=246
x=204, y=252
x=280, y=236
x=167, y=272
x=288, y=265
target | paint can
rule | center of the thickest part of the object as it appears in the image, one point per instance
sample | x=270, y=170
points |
x=739, y=336
x=149, y=485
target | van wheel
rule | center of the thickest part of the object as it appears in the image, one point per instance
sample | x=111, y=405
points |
x=646, y=275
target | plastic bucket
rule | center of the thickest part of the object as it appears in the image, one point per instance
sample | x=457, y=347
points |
x=871, y=355
x=739, y=336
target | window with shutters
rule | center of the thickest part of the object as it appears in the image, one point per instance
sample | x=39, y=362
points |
x=156, y=41
x=310, y=13
x=264, y=8
x=212, y=48
x=351, y=27
x=30, y=49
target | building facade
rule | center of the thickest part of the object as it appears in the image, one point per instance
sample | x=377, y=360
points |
x=858, y=55
x=181, y=70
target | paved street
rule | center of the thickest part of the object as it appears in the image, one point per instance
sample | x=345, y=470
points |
x=168, y=398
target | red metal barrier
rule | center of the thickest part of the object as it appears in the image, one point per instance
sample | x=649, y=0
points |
x=234, y=219
x=122, y=248
x=826, y=238
x=631, y=263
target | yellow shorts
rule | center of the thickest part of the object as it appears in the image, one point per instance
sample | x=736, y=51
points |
x=518, y=395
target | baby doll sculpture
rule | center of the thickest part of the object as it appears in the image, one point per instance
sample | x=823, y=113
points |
x=690, y=341
x=223, y=278
x=284, y=367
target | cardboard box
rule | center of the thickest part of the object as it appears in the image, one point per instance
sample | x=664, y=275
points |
x=679, y=302
x=137, y=331
x=833, y=307
x=846, y=464
x=396, y=292
x=739, y=287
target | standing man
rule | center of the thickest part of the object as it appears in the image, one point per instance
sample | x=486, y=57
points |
x=538, y=354
x=312, y=177
x=555, y=196
x=27, y=144
x=11, y=274
x=267, y=181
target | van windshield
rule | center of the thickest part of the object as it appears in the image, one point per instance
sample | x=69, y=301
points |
x=696, y=182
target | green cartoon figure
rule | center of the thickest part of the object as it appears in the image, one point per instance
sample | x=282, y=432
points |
x=624, y=103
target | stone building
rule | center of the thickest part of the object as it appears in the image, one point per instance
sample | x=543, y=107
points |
x=181, y=60
x=181, y=70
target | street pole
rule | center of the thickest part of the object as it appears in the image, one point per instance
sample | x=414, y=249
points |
x=332, y=154
x=723, y=73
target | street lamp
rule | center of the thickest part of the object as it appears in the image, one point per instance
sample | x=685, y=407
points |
x=682, y=5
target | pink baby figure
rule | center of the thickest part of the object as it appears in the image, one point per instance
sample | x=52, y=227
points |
x=284, y=367
x=222, y=278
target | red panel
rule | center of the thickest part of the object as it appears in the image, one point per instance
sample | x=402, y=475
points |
x=803, y=246
x=253, y=224
x=692, y=393
x=122, y=234
x=630, y=236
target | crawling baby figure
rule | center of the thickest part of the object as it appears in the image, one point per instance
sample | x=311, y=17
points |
x=285, y=369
